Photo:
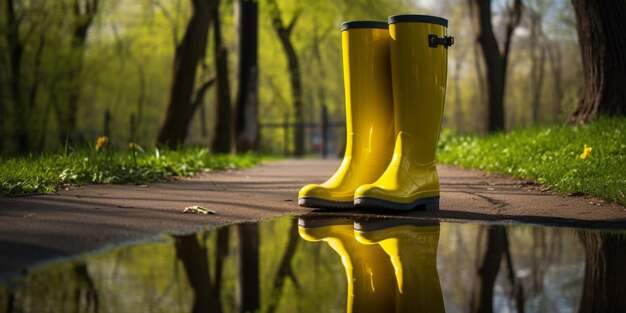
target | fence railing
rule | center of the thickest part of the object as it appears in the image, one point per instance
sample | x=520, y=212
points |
x=319, y=137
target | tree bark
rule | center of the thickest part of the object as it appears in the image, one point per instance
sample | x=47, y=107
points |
x=247, y=105
x=189, y=54
x=601, y=30
x=495, y=60
x=603, y=286
x=284, y=34
x=224, y=139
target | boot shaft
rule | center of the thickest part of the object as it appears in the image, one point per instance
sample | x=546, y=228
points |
x=367, y=83
x=419, y=55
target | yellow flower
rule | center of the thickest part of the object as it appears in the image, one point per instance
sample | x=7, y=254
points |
x=131, y=145
x=101, y=143
x=586, y=152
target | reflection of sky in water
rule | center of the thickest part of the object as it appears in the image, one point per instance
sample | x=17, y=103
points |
x=150, y=277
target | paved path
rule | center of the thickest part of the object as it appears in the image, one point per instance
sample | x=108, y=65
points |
x=44, y=227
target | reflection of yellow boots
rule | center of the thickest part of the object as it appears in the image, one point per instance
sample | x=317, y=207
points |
x=368, y=269
x=419, y=52
x=369, y=116
x=413, y=253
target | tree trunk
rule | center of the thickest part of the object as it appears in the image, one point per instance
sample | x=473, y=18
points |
x=86, y=294
x=84, y=13
x=284, y=267
x=601, y=30
x=221, y=251
x=16, y=52
x=247, y=90
x=284, y=34
x=537, y=63
x=482, y=294
x=495, y=60
x=248, y=285
x=553, y=50
x=223, y=141
x=189, y=53
x=603, y=286
x=195, y=261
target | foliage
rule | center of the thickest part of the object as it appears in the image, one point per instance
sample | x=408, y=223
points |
x=588, y=159
x=47, y=172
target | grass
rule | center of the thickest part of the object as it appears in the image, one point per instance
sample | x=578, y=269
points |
x=46, y=173
x=552, y=156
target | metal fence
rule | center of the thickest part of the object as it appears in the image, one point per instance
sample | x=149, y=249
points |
x=324, y=138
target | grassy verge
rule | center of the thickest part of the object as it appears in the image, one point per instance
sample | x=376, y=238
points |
x=553, y=156
x=46, y=173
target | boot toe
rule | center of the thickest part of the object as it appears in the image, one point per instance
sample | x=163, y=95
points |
x=318, y=196
x=370, y=191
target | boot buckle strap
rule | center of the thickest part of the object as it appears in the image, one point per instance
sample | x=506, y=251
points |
x=434, y=41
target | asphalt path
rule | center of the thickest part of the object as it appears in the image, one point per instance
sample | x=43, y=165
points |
x=40, y=228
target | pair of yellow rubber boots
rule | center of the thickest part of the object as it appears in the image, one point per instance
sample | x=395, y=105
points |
x=389, y=268
x=395, y=83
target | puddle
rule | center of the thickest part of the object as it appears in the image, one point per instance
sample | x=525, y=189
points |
x=315, y=264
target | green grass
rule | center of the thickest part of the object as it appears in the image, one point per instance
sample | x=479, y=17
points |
x=550, y=156
x=46, y=173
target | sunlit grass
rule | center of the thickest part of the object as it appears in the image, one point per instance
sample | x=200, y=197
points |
x=589, y=159
x=46, y=173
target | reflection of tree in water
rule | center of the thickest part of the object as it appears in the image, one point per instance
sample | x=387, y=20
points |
x=605, y=272
x=285, y=270
x=497, y=247
x=66, y=288
x=193, y=254
x=195, y=261
x=247, y=296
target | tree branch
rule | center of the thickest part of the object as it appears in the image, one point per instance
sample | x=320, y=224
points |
x=200, y=92
x=515, y=16
x=294, y=19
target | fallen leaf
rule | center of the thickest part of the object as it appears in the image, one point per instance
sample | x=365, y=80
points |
x=198, y=210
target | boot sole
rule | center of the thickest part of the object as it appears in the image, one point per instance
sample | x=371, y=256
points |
x=428, y=204
x=317, y=203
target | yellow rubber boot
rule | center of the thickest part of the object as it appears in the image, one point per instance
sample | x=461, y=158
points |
x=371, y=283
x=418, y=65
x=369, y=116
x=413, y=253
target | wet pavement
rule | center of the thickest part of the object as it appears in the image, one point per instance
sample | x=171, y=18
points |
x=41, y=228
x=338, y=263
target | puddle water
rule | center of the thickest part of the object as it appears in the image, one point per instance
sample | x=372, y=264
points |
x=313, y=264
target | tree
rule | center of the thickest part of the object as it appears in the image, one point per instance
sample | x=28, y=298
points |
x=223, y=142
x=284, y=34
x=193, y=255
x=16, y=52
x=495, y=59
x=248, y=283
x=537, y=58
x=603, y=286
x=482, y=293
x=247, y=105
x=601, y=27
x=84, y=12
x=190, y=52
